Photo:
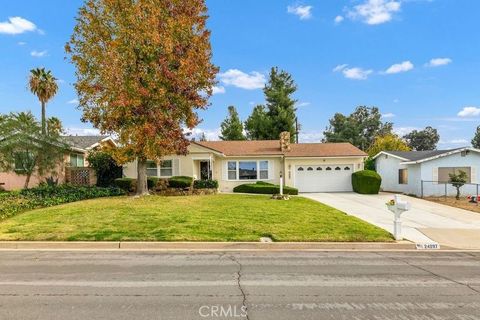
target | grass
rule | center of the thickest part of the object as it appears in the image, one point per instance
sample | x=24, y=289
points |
x=194, y=218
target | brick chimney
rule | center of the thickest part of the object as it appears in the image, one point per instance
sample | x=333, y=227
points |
x=285, y=141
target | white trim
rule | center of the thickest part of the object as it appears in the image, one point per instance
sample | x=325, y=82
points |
x=316, y=157
x=446, y=154
x=96, y=144
x=389, y=154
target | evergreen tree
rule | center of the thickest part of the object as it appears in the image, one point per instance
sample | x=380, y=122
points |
x=258, y=125
x=476, y=139
x=423, y=140
x=359, y=128
x=232, y=127
x=267, y=122
x=280, y=104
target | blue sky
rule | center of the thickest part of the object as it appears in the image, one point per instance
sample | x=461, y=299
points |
x=417, y=60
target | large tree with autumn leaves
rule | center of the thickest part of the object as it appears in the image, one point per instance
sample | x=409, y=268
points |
x=143, y=69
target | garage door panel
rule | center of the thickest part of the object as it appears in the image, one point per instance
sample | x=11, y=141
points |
x=323, y=178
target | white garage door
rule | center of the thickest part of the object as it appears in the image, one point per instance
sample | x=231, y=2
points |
x=324, y=178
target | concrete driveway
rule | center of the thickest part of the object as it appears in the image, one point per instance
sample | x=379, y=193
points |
x=426, y=221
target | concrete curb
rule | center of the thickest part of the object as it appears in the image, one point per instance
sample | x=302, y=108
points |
x=205, y=246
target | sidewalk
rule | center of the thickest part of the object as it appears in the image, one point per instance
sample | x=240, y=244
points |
x=207, y=246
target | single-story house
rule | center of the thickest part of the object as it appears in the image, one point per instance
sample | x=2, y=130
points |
x=79, y=147
x=426, y=172
x=310, y=167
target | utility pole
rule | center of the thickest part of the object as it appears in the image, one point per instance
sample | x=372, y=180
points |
x=296, y=130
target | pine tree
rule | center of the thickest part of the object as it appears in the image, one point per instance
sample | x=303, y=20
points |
x=280, y=104
x=258, y=125
x=232, y=127
x=476, y=139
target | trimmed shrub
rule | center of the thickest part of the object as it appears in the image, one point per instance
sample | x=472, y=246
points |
x=16, y=202
x=366, y=182
x=130, y=184
x=152, y=182
x=126, y=184
x=205, y=184
x=264, y=188
x=105, y=168
x=180, y=182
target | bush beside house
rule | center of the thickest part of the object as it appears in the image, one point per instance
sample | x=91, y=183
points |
x=174, y=186
x=366, y=182
x=12, y=203
x=264, y=188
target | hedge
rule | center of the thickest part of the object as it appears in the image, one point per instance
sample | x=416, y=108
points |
x=130, y=185
x=264, y=188
x=366, y=182
x=205, y=184
x=12, y=203
x=180, y=182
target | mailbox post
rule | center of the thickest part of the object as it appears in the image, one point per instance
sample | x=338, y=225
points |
x=398, y=206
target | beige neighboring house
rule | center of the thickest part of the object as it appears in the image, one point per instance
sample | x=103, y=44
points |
x=310, y=167
x=74, y=160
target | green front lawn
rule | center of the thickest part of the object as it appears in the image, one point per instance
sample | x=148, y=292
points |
x=194, y=218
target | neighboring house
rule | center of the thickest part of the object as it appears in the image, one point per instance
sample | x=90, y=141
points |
x=404, y=171
x=80, y=146
x=310, y=167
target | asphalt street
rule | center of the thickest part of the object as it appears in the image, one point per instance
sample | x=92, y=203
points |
x=250, y=285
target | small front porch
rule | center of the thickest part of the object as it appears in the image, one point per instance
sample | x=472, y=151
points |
x=203, y=168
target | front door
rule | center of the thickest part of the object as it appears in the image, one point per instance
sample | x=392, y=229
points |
x=204, y=170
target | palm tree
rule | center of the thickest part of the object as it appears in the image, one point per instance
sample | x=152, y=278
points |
x=44, y=85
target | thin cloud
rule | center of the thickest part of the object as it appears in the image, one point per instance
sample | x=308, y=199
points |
x=73, y=101
x=17, y=25
x=240, y=79
x=338, y=19
x=388, y=115
x=355, y=73
x=400, y=67
x=468, y=112
x=374, y=12
x=303, y=12
x=438, y=62
x=75, y=131
x=302, y=104
x=39, y=54
x=218, y=90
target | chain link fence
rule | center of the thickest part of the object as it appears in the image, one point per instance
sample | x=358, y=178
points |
x=469, y=192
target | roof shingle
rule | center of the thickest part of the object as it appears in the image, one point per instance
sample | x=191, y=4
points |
x=272, y=147
x=83, y=142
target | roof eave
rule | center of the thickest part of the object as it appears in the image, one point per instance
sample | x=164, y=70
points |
x=446, y=154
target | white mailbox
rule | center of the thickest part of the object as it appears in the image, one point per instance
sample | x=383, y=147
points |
x=398, y=206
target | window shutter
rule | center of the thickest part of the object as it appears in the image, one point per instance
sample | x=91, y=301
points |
x=271, y=173
x=473, y=174
x=176, y=167
x=225, y=170
x=435, y=175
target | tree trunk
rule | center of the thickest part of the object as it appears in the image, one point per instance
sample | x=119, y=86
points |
x=44, y=119
x=142, y=188
x=458, y=193
x=27, y=181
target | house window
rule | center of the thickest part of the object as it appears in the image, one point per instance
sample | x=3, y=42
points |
x=328, y=169
x=444, y=173
x=77, y=160
x=152, y=169
x=263, y=174
x=300, y=169
x=232, y=170
x=247, y=170
x=403, y=176
x=166, y=168
x=23, y=162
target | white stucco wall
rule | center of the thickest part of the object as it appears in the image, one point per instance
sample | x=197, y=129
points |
x=388, y=168
x=472, y=159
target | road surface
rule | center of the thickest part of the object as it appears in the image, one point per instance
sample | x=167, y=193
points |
x=251, y=285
